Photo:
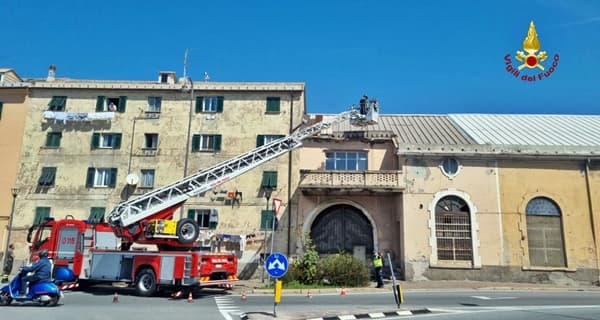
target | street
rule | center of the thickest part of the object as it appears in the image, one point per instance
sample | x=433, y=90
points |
x=218, y=304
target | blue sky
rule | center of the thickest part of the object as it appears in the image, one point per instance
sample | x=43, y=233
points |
x=426, y=56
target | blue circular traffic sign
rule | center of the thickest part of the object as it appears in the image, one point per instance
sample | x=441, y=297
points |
x=276, y=264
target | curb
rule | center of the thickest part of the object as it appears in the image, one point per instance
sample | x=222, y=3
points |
x=373, y=315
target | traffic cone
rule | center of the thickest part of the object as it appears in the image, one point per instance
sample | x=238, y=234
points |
x=343, y=292
x=190, y=298
x=308, y=294
x=244, y=297
x=115, y=298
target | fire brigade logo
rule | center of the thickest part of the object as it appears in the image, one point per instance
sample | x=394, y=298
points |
x=531, y=58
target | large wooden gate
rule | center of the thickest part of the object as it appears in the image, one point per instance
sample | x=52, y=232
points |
x=342, y=228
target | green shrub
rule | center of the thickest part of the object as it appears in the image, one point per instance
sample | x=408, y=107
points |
x=343, y=269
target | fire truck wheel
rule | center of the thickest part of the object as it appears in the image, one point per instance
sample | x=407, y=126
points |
x=187, y=230
x=145, y=283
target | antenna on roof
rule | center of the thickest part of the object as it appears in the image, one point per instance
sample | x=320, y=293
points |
x=185, y=58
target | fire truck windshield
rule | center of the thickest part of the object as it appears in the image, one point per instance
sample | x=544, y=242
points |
x=42, y=236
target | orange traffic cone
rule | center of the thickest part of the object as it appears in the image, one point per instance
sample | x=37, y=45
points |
x=343, y=292
x=116, y=297
x=244, y=297
x=308, y=295
x=190, y=298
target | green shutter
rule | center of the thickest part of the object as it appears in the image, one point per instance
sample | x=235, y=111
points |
x=58, y=103
x=191, y=214
x=269, y=179
x=113, y=178
x=199, y=101
x=122, y=104
x=266, y=219
x=220, y=104
x=47, y=177
x=217, y=145
x=196, y=142
x=273, y=104
x=89, y=181
x=95, y=140
x=40, y=214
x=1, y=107
x=100, y=104
x=117, y=140
x=97, y=214
x=53, y=139
x=260, y=140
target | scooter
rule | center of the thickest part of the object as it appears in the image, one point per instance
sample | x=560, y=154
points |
x=46, y=293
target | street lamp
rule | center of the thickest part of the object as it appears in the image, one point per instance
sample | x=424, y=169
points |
x=14, y=192
x=267, y=192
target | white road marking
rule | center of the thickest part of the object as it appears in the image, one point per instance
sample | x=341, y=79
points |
x=227, y=307
x=492, y=298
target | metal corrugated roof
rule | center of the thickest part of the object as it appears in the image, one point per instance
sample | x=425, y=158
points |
x=410, y=129
x=530, y=130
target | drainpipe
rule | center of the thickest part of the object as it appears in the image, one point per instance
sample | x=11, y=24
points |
x=592, y=216
x=289, y=191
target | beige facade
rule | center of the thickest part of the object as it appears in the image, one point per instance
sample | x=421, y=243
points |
x=152, y=138
x=13, y=108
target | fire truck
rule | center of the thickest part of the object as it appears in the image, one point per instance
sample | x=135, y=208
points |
x=86, y=252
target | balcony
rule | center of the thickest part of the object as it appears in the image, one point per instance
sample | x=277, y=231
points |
x=327, y=181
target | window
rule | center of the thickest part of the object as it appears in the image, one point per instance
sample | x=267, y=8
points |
x=1, y=107
x=97, y=214
x=273, y=104
x=106, y=140
x=206, y=218
x=101, y=177
x=151, y=141
x=53, y=139
x=154, y=104
x=58, y=103
x=544, y=233
x=453, y=229
x=104, y=104
x=147, y=180
x=41, y=213
x=450, y=167
x=266, y=139
x=203, y=142
x=47, y=177
x=346, y=161
x=266, y=219
x=209, y=104
x=269, y=179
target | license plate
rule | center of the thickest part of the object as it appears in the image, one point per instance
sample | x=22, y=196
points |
x=218, y=265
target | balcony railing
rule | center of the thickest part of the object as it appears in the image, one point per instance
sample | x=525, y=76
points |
x=383, y=179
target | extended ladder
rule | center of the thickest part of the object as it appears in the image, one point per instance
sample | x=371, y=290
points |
x=144, y=206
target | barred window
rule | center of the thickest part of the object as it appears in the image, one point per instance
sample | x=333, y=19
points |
x=453, y=229
x=544, y=233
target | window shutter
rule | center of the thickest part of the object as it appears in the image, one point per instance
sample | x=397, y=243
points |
x=100, y=104
x=40, y=214
x=89, y=181
x=217, y=146
x=122, y=104
x=269, y=179
x=266, y=219
x=113, y=178
x=95, y=140
x=260, y=140
x=191, y=214
x=117, y=144
x=1, y=106
x=97, y=214
x=199, y=101
x=196, y=142
x=273, y=104
x=53, y=139
x=220, y=104
x=47, y=177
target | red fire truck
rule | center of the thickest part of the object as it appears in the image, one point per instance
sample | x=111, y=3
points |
x=102, y=252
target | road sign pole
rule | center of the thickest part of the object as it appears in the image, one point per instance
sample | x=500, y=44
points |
x=398, y=295
x=277, y=298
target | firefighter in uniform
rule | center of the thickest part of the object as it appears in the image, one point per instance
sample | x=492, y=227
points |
x=378, y=265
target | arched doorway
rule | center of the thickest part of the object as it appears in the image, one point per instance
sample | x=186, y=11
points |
x=342, y=227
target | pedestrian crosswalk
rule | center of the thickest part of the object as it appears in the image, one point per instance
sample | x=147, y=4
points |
x=228, y=308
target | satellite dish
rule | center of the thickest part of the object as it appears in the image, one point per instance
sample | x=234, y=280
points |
x=132, y=179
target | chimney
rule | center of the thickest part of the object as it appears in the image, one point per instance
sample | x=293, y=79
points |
x=51, y=72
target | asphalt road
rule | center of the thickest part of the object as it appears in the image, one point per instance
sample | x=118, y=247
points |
x=217, y=304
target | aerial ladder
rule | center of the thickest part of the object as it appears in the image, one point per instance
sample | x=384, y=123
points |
x=147, y=219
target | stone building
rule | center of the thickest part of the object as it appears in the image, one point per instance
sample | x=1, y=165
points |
x=86, y=139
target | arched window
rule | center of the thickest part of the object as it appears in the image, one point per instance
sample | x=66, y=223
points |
x=544, y=233
x=453, y=229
